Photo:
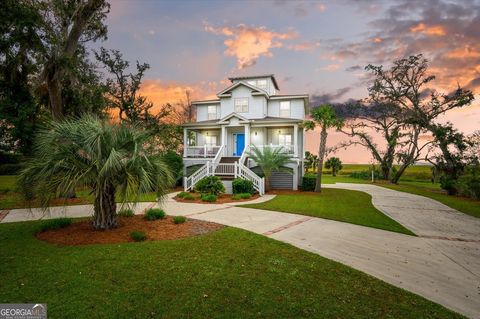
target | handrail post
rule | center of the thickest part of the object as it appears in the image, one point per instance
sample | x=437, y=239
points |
x=235, y=169
x=205, y=150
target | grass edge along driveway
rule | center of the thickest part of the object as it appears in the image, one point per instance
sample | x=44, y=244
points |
x=343, y=205
x=230, y=273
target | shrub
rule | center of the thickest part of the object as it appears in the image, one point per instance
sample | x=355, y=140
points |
x=154, y=214
x=448, y=184
x=241, y=196
x=10, y=169
x=367, y=174
x=242, y=186
x=179, y=219
x=175, y=163
x=138, y=235
x=308, y=182
x=182, y=194
x=468, y=184
x=189, y=197
x=126, y=213
x=210, y=185
x=56, y=223
x=209, y=198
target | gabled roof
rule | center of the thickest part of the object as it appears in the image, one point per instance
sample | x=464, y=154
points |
x=271, y=76
x=231, y=87
x=229, y=116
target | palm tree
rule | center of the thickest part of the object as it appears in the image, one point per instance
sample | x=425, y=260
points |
x=335, y=164
x=325, y=117
x=270, y=160
x=107, y=158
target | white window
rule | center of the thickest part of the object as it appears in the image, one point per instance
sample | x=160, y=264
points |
x=241, y=105
x=285, y=139
x=212, y=112
x=262, y=84
x=285, y=109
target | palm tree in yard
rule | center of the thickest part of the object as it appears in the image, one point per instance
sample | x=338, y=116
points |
x=106, y=158
x=270, y=160
x=335, y=164
x=324, y=117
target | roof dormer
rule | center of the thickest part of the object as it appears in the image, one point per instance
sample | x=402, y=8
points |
x=265, y=82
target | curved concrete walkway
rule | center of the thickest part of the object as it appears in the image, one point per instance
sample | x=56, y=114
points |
x=442, y=270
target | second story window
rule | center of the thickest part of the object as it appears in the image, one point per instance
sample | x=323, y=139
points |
x=241, y=105
x=212, y=112
x=285, y=109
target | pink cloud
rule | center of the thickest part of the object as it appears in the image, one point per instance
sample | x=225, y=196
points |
x=248, y=43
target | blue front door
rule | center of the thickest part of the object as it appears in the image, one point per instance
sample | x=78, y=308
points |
x=239, y=144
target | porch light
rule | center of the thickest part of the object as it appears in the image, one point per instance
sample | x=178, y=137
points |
x=255, y=133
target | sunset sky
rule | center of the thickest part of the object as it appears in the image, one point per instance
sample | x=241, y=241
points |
x=319, y=48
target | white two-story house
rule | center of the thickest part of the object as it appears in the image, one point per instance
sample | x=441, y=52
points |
x=248, y=113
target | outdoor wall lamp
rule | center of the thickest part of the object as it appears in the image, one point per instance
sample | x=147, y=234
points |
x=255, y=133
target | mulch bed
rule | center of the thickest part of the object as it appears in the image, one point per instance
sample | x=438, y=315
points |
x=221, y=199
x=82, y=233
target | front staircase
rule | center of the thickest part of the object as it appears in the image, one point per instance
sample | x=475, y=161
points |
x=227, y=168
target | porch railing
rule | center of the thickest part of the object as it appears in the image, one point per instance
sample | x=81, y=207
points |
x=244, y=172
x=288, y=149
x=189, y=182
x=227, y=169
x=202, y=151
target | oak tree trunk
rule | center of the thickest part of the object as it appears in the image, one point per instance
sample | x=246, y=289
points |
x=105, y=209
x=321, y=155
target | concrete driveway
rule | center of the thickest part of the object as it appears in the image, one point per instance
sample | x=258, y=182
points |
x=443, y=265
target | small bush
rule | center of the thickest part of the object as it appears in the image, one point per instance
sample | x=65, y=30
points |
x=367, y=175
x=138, y=235
x=308, y=182
x=210, y=185
x=126, y=213
x=189, y=197
x=448, y=184
x=154, y=214
x=183, y=194
x=179, y=219
x=209, y=198
x=468, y=184
x=242, y=186
x=56, y=223
x=241, y=196
x=10, y=158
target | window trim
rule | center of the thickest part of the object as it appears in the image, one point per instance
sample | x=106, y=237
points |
x=215, y=114
x=289, y=109
x=243, y=110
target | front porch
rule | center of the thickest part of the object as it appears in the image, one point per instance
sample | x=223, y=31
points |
x=205, y=143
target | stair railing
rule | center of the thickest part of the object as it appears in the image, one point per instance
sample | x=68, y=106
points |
x=244, y=172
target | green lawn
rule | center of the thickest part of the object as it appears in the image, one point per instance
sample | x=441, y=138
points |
x=230, y=273
x=336, y=204
x=424, y=188
x=10, y=197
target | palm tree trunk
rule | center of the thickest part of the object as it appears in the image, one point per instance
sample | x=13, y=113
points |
x=321, y=155
x=267, y=183
x=105, y=209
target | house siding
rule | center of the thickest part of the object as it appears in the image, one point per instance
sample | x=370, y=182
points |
x=297, y=108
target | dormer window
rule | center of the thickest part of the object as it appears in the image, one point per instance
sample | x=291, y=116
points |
x=262, y=84
x=212, y=112
x=241, y=105
x=285, y=109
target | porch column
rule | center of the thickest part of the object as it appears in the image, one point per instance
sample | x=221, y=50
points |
x=295, y=140
x=185, y=141
x=247, y=135
x=224, y=139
